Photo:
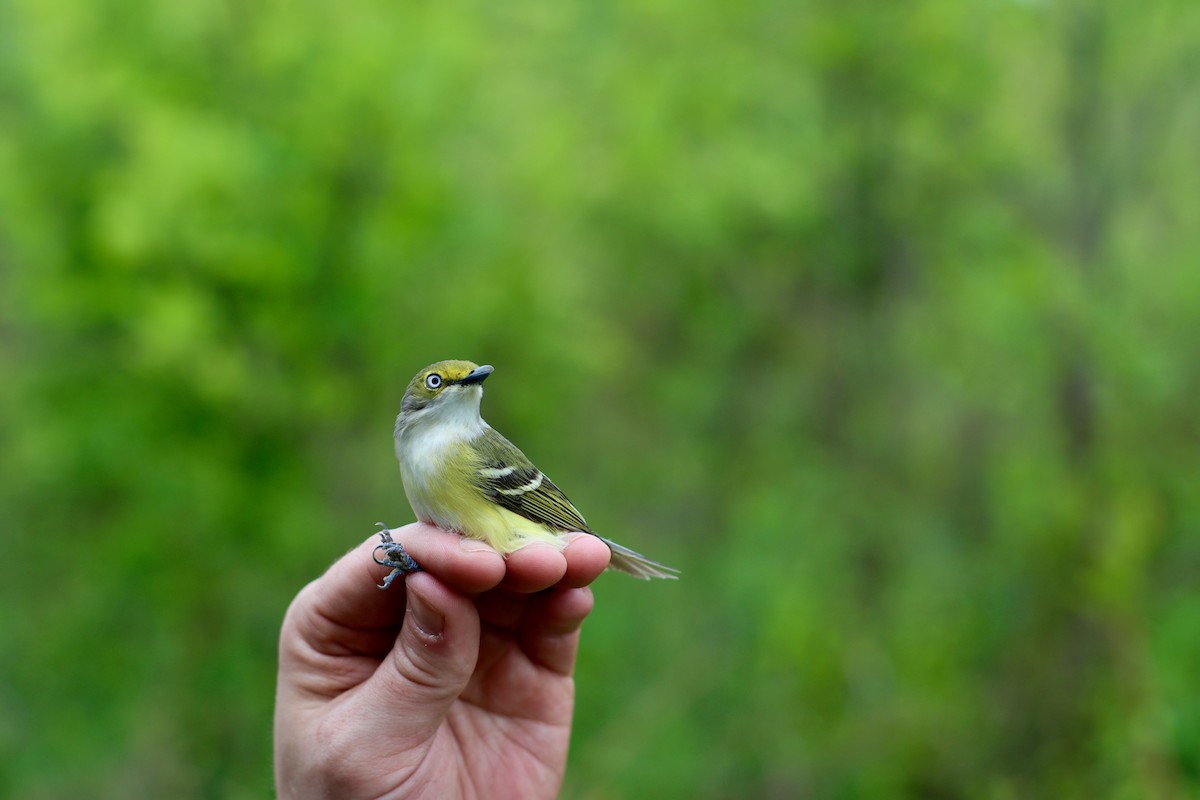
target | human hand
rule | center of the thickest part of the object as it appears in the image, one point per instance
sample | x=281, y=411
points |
x=455, y=685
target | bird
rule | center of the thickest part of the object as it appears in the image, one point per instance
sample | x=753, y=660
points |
x=462, y=475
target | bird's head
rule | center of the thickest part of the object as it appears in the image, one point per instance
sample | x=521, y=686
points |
x=447, y=387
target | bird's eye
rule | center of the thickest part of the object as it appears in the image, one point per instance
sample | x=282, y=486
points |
x=433, y=381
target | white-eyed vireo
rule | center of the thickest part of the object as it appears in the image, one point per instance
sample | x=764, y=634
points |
x=463, y=476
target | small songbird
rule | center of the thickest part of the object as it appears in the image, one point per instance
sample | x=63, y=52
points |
x=463, y=476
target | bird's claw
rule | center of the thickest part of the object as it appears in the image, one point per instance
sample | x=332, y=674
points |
x=394, y=556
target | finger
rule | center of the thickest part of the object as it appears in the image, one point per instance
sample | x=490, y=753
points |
x=534, y=567
x=550, y=633
x=465, y=565
x=344, y=613
x=348, y=594
x=587, y=556
x=501, y=608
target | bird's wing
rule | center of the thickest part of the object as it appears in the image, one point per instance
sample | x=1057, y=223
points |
x=510, y=480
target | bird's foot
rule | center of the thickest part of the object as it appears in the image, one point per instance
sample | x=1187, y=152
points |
x=394, y=556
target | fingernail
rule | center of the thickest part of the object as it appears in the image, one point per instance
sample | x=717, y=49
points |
x=567, y=538
x=428, y=619
x=474, y=545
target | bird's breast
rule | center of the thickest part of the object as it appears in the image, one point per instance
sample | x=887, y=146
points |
x=437, y=466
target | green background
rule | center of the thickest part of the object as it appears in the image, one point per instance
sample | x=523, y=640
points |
x=879, y=319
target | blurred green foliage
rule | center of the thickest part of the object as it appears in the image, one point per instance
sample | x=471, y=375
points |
x=879, y=319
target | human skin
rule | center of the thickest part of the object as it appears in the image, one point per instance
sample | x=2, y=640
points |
x=455, y=683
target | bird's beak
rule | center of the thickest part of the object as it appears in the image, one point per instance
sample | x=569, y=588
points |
x=476, y=375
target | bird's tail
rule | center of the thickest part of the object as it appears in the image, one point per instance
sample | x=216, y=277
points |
x=636, y=564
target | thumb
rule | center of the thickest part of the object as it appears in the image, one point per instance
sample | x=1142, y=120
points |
x=431, y=662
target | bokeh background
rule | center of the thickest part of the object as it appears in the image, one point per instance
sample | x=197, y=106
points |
x=879, y=319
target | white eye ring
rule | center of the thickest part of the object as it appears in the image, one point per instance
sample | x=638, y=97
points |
x=433, y=381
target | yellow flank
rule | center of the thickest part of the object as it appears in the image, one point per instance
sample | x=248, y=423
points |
x=440, y=485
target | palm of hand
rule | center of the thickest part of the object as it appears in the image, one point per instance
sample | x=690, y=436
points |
x=510, y=728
